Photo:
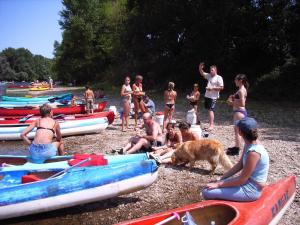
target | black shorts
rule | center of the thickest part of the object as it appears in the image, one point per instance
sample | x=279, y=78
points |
x=152, y=144
x=210, y=103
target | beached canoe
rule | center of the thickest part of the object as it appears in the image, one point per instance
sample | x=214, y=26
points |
x=17, y=120
x=39, y=88
x=268, y=209
x=73, y=126
x=18, y=162
x=73, y=187
x=66, y=96
x=64, y=109
x=55, y=104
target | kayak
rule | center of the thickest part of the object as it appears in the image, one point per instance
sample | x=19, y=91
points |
x=268, y=209
x=17, y=120
x=9, y=104
x=19, y=162
x=64, y=109
x=39, y=88
x=27, y=192
x=67, y=96
x=69, y=126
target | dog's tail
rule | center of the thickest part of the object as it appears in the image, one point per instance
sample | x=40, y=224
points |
x=224, y=160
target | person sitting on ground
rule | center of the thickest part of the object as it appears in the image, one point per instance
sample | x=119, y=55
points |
x=42, y=147
x=186, y=135
x=252, y=169
x=89, y=99
x=149, y=104
x=153, y=136
x=170, y=98
x=173, y=138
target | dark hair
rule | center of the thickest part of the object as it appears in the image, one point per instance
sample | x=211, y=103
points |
x=250, y=136
x=87, y=87
x=170, y=125
x=244, y=80
x=45, y=110
x=184, y=125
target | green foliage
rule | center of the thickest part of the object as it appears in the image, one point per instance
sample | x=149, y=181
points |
x=104, y=40
x=21, y=65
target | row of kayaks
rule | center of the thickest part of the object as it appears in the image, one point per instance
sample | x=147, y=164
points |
x=59, y=183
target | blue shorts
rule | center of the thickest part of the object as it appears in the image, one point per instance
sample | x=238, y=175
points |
x=41, y=152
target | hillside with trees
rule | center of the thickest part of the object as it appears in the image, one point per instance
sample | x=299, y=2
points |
x=21, y=65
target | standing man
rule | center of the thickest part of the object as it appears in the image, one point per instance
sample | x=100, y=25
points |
x=51, y=83
x=89, y=99
x=214, y=86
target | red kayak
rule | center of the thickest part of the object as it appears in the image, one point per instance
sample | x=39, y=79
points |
x=13, y=120
x=23, y=111
x=268, y=209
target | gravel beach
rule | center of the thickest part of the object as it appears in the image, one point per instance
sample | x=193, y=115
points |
x=177, y=186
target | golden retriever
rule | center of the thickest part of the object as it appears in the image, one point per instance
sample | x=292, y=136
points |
x=204, y=149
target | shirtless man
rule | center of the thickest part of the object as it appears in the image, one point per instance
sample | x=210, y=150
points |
x=153, y=136
x=89, y=99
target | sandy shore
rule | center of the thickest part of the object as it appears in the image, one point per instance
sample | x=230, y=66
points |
x=177, y=186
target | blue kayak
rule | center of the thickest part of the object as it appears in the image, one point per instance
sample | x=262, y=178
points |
x=18, y=162
x=44, y=99
x=27, y=192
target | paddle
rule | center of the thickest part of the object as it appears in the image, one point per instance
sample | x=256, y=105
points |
x=24, y=119
x=71, y=167
x=59, y=116
x=174, y=216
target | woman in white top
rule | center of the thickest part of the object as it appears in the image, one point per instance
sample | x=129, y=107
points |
x=126, y=92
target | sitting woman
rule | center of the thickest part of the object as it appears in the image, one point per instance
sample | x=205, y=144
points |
x=186, y=135
x=254, y=167
x=42, y=147
x=172, y=139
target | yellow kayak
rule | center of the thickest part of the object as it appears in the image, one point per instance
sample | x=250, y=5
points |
x=39, y=89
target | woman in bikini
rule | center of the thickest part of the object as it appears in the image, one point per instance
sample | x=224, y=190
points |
x=173, y=138
x=170, y=98
x=194, y=99
x=186, y=135
x=138, y=94
x=126, y=92
x=238, y=102
x=42, y=147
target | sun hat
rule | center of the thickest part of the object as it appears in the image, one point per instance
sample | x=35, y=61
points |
x=247, y=124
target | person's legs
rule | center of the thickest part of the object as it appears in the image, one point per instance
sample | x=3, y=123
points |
x=142, y=142
x=60, y=147
x=166, y=115
x=244, y=193
x=211, y=116
x=238, y=139
x=136, y=112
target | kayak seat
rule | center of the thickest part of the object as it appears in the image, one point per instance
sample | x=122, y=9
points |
x=96, y=160
x=30, y=178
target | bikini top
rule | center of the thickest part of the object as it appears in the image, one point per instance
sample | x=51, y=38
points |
x=45, y=128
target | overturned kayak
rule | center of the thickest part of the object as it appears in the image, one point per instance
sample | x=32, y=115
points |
x=27, y=192
x=73, y=126
x=64, y=109
x=268, y=209
x=18, y=162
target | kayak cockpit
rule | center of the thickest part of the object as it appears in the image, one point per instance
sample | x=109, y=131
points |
x=220, y=214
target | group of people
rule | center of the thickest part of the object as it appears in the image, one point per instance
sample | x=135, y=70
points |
x=243, y=182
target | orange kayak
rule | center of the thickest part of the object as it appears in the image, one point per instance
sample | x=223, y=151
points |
x=268, y=209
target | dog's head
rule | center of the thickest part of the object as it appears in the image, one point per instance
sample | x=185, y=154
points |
x=176, y=157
